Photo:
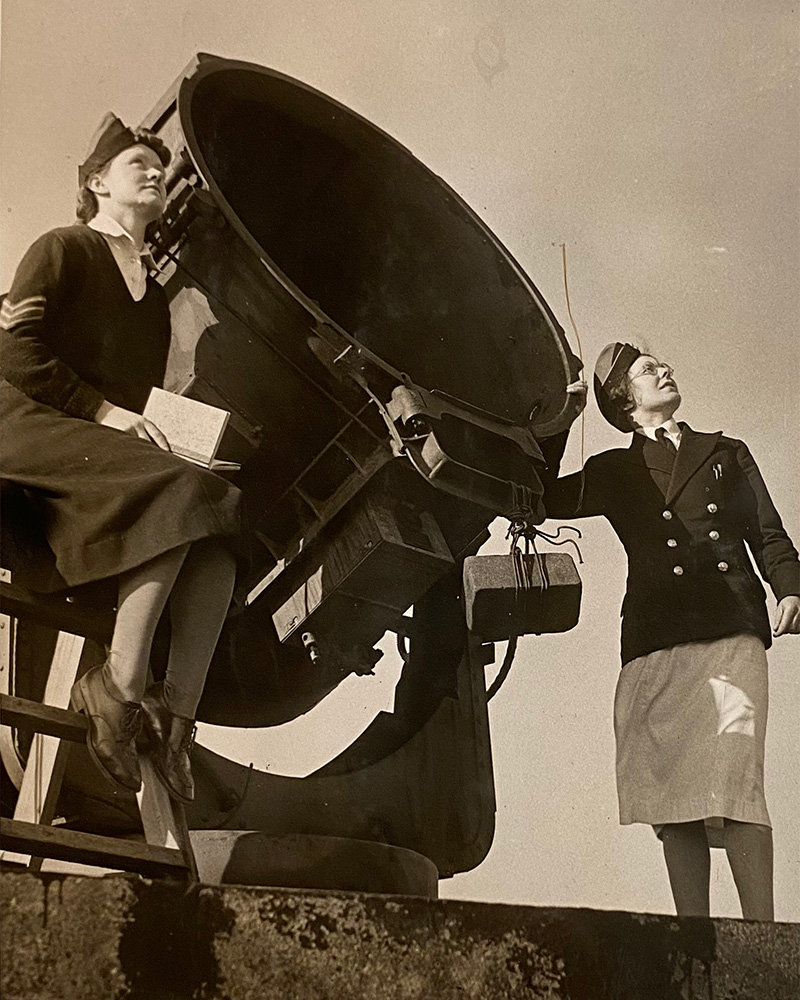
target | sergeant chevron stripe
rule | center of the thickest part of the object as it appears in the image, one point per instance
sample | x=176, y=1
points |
x=25, y=311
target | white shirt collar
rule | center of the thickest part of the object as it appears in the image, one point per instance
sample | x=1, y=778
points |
x=103, y=223
x=132, y=262
x=671, y=429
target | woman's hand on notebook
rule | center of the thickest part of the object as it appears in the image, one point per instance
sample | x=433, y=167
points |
x=130, y=422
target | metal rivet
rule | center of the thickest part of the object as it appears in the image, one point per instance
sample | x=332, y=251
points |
x=672, y=543
x=713, y=535
x=667, y=515
x=722, y=567
x=712, y=508
x=677, y=570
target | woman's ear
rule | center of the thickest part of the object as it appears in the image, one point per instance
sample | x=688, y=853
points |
x=96, y=183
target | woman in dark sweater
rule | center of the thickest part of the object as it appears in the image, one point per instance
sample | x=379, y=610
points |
x=85, y=334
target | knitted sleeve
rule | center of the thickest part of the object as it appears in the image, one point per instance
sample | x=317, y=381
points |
x=27, y=358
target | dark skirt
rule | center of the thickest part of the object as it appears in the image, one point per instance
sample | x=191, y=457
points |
x=106, y=501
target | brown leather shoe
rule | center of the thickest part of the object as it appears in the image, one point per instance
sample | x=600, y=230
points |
x=171, y=740
x=113, y=726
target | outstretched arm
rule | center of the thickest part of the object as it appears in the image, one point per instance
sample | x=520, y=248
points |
x=575, y=495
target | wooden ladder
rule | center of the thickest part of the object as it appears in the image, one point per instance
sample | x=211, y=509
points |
x=29, y=837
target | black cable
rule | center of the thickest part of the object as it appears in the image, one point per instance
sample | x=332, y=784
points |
x=498, y=682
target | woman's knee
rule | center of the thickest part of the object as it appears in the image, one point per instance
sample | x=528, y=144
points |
x=675, y=831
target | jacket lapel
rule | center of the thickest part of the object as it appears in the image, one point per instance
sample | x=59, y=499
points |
x=694, y=450
x=656, y=456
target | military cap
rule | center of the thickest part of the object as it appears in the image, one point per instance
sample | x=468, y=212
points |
x=614, y=360
x=110, y=139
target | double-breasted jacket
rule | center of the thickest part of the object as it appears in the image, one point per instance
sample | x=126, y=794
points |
x=689, y=524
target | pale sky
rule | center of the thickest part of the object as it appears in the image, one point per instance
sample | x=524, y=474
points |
x=659, y=140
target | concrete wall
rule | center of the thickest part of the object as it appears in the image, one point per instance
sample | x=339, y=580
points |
x=67, y=938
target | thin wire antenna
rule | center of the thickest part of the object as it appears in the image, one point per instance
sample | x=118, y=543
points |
x=580, y=355
x=569, y=307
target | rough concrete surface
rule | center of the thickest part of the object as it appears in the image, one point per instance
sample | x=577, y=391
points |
x=67, y=938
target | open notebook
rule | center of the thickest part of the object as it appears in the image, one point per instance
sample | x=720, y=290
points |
x=193, y=429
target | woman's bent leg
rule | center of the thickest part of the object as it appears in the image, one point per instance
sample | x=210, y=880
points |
x=688, y=859
x=110, y=694
x=143, y=594
x=750, y=855
x=198, y=606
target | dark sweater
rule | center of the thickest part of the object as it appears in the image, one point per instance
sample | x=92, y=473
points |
x=71, y=350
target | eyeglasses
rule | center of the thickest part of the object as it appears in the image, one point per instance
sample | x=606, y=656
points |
x=652, y=368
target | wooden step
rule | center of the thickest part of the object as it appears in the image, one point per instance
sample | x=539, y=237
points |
x=33, y=715
x=91, y=849
x=57, y=611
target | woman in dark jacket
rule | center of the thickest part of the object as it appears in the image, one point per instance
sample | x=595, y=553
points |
x=85, y=334
x=691, y=704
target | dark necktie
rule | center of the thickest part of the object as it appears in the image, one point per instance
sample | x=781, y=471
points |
x=661, y=437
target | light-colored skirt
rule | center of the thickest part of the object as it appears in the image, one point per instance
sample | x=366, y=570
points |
x=690, y=725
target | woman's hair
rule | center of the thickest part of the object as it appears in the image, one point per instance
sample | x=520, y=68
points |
x=87, y=207
x=620, y=392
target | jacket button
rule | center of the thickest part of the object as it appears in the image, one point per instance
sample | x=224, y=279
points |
x=712, y=508
x=722, y=567
x=672, y=543
x=714, y=536
x=667, y=515
x=677, y=570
